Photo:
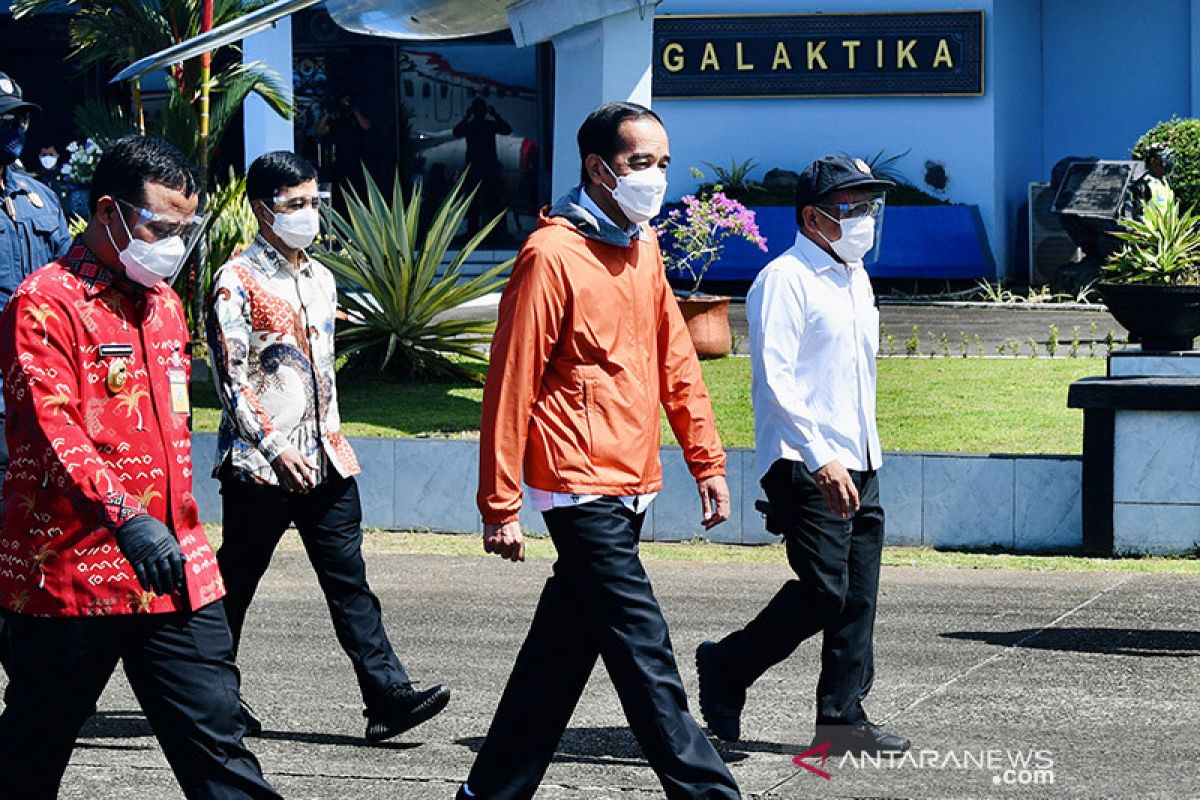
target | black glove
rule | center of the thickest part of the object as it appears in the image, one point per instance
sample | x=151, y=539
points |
x=149, y=546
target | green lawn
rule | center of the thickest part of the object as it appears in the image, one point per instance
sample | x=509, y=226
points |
x=941, y=405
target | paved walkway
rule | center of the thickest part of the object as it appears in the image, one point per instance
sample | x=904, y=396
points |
x=1096, y=673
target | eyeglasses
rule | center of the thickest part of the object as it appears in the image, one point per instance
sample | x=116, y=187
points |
x=864, y=208
x=19, y=119
x=162, y=227
x=290, y=204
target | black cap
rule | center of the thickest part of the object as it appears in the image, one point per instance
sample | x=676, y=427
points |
x=10, y=97
x=831, y=173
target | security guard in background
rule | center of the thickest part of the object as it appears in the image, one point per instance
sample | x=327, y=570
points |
x=33, y=230
x=1159, y=160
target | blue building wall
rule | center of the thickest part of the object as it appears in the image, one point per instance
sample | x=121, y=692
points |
x=1062, y=77
x=1113, y=69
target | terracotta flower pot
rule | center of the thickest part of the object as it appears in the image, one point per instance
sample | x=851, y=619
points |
x=707, y=318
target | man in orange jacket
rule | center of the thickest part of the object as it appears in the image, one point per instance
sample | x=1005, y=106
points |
x=589, y=344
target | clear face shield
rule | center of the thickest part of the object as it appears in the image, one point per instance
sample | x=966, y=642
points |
x=853, y=215
x=162, y=228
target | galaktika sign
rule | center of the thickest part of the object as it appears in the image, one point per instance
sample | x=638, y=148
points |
x=933, y=53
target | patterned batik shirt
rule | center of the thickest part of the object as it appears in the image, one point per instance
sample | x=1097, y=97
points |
x=95, y=382
x=270, y=335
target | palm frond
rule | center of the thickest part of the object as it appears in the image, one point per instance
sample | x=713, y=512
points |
x=103, y=121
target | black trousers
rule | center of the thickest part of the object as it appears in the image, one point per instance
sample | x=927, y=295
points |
x=836, y=562
x=3, y=475
x=181, y=669
x=329, y=519
x=597, y=603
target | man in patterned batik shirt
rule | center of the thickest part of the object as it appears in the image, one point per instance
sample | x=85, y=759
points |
x=102, y=555
x=282, y=458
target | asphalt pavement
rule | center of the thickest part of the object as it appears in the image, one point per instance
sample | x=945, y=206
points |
x=1011, y=684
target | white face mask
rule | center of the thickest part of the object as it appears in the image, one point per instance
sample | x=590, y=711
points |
x=148, y=263
x=297, y=229
x=48, y=162
x=858, y=237
x=640, y=193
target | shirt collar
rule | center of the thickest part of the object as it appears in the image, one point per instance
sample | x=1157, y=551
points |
x=14, y=182
x=586, y=201
x=811, y=254
x=96, y=277
x=273, y=261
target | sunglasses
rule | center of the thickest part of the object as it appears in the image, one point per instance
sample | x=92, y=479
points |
x=865, y=208
x=19, y=119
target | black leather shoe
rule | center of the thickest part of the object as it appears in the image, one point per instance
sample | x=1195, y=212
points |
x=249, y=719
x=863, y=738
x=721, y=697
x=404, y=708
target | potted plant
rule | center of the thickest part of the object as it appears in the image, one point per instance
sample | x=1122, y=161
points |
x=1152, y=284
x=692, y=238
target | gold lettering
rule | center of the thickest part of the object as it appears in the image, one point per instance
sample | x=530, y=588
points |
x=851, y=46
x=814, y=55
x=743, y=66
x=904, y=53
x=943, y=55
x=879, y=53
x=709, y=59
x=781, y=57
x=672, y=56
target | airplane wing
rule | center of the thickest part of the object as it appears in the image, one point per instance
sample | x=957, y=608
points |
x=398, y=19
x=232, y=31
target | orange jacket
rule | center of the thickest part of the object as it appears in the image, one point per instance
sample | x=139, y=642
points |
x=589, y=342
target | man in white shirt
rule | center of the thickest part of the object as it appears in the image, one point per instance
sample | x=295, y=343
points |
x=814, y=334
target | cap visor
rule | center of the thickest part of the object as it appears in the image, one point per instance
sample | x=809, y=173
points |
x=10, y=104
x=866, y=183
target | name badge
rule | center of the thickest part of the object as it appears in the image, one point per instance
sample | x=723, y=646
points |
x=179, y=390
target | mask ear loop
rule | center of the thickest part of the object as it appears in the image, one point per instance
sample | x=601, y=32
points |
x=831, y=219
x=616, y=177
x=124, y=224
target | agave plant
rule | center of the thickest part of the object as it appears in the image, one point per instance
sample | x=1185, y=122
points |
x=1163, y=247
x=395, y=280
x=736, y=177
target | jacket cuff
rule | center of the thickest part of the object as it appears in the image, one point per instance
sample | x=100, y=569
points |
x=272, y=445
x=119, y=508
x=702, y=471
x=500, y=517
x=816, y=454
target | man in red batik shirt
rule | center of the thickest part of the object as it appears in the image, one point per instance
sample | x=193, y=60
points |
x=102, y=556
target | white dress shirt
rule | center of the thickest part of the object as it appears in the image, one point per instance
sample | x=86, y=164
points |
x=543, y=500
x=814, y=335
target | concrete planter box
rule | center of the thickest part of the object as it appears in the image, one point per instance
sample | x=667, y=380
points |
x=1028, y=503
x=917, y=242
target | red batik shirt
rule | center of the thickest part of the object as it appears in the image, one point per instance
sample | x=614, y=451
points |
x=88, y=451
